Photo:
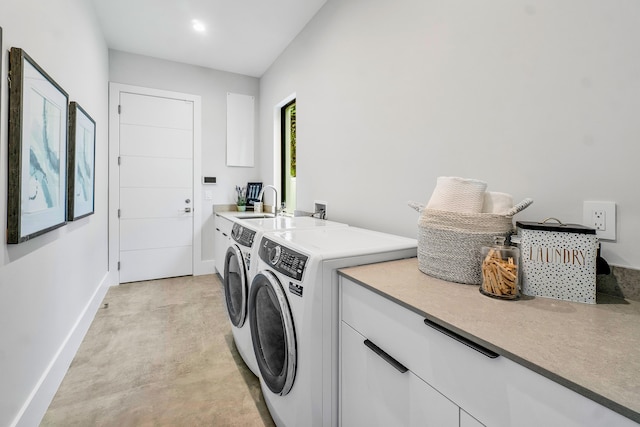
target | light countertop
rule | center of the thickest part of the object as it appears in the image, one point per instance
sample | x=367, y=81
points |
x=593, y=349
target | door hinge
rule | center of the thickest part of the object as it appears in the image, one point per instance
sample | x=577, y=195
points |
x=119, y=109
x=119, y=160
x=118, y=265
x=118, y=213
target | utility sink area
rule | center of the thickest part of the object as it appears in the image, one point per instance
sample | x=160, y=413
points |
x=254, y=215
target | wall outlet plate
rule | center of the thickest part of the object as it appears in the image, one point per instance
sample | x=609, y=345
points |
x=320, y=206
x=602, y=217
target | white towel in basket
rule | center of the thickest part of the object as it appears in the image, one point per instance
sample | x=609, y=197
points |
x=498, y=203
x=455, y=194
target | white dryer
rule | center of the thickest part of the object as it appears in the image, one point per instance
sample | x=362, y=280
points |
x=238, y=271
x=293, y=315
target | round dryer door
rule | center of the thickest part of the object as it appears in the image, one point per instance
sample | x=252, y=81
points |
x=235, y=286
x=272, y=332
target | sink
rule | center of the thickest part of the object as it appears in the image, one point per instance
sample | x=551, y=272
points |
x=254, y=216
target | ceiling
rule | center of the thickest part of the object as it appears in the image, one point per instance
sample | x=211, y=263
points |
x=241, y=36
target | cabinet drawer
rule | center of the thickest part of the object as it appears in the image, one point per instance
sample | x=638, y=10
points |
x=441, y=361
x=494, y=391
x=223, y=224
x=467, y=420
x=376, y=391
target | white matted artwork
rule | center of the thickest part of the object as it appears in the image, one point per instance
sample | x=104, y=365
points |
x=81, y=159
x=240, y=129
x=38, y=113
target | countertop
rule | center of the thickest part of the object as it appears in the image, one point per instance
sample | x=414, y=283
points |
x=593, y=349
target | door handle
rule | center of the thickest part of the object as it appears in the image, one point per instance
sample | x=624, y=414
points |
x=185, y=210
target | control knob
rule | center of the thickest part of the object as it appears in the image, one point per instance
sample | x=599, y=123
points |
x=274, y=254
x=237, y=232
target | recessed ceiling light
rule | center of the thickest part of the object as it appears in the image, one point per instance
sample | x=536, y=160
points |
x=198, y=26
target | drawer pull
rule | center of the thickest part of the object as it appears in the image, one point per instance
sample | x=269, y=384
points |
x=463, y=340
x=390, y=360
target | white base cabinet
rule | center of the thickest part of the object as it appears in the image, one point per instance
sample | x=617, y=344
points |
x=221, y=241
x=444, y=371
x=378, y=392
x=467, y=420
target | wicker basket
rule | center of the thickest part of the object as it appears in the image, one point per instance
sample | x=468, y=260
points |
x=449, y=243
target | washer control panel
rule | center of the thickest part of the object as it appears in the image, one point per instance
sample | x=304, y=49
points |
x=243, y=235
x=283, y=259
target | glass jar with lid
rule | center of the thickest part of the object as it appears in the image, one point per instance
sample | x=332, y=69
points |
x=500, y=270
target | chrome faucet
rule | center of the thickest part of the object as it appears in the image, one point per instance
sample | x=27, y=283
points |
x=275, y=206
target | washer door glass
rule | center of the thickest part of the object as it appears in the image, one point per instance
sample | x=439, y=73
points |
x=272, y=332
x=235, y=286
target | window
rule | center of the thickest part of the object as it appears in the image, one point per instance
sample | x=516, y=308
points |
x=288, y=161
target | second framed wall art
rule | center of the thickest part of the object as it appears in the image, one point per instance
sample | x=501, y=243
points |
x=81, y=159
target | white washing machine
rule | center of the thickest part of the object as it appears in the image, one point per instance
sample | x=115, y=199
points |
x=238, y=271
x=293, y=314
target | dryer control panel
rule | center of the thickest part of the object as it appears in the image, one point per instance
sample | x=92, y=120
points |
x=283, y=259
x=244, y=236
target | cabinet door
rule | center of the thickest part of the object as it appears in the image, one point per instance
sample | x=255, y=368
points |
x=221, y=241
x=430, y=408
x=375, y=392
x=496, y=391
x=467, y=420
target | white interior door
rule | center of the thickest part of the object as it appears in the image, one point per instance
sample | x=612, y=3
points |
x=156, y=187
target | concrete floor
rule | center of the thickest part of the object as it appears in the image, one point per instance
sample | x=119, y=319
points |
x=161, y=354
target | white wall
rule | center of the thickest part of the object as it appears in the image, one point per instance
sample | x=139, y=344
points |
x=50, y=287
x=539, y=99
x=212, y=86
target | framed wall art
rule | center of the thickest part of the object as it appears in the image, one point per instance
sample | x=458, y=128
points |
x=1, y=58
x=37, y=154
x=253, y=190
x=81, y=163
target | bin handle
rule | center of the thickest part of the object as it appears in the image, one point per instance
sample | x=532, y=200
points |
x=511, y=212
x=519, y=207
x=552, y=219
x=417, y=206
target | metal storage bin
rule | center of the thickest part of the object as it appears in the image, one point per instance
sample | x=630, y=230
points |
x=558, y=260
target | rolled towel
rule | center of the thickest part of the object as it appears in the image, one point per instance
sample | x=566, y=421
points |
x=455, y=194
x=498, y=203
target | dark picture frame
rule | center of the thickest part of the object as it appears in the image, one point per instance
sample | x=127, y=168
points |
x=81, y=161
x=253, y=190
x=37, y=150
x=1, y=58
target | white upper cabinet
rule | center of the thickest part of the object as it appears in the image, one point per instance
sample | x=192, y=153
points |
x=240, y=129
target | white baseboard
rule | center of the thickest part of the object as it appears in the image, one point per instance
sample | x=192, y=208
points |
x=207, y=266
x=40, y=398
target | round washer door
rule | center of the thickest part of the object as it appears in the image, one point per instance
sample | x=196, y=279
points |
x=235, y=286
x=272, y=332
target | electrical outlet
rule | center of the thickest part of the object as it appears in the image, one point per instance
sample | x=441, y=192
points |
x=598, y=219
x=602, y=217
x=320, y=209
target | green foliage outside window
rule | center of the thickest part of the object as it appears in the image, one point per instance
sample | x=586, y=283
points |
x=292, y=132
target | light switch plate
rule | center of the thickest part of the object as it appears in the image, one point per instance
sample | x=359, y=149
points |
x=602, y=217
